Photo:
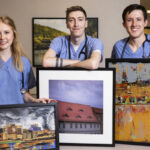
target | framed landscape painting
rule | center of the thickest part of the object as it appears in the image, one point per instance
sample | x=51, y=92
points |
x=44, y=30
x=29, y=126
x=132, y=100
x=85, y=108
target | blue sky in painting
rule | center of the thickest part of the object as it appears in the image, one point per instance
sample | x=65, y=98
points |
x=85, y=92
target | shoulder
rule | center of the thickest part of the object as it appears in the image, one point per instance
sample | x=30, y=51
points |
x=61, y=38
x=89, y=38
x=121, y=42
x=148, y=36
x=26, y=63
x=25, y=59
x=118, y=48
x=94, y=41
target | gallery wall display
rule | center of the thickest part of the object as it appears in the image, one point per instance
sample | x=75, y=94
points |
x=44, y=30
x=132, y=100
x=29, y=126
x=85, y=109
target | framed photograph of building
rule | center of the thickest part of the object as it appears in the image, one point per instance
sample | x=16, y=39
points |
x=132, y=100
x=85, y=109
x=29, y=126
x=44, y=30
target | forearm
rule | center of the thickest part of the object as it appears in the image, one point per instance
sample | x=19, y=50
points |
x=87, y=64
x=58, y=62
x=91, y=63
x=28, y=98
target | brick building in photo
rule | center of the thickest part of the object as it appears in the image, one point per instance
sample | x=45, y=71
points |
x=78, y=118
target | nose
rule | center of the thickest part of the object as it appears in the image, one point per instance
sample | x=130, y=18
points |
x=75, y=22
x=1, y=35
x=134, y=22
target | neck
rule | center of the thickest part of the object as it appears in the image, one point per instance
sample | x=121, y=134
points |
x=135, y=43
x=5, y=55
x=77, y=40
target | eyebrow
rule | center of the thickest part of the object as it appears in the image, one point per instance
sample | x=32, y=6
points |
x=77, y=17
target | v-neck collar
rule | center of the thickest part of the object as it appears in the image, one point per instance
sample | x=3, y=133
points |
x=4, y=63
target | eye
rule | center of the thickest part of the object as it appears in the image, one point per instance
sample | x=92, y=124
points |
x=71, y=20
x=129, y=19
x=6, y=32
x=139, y=19
x=81, y=19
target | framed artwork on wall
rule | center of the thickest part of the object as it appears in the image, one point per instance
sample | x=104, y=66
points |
x=132, y=100
x=29, y=126
x=44, y=30
x=85, y=108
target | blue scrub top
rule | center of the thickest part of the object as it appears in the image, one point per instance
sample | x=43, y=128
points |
x=60, y=46
x=128, y=53
x=11, y=81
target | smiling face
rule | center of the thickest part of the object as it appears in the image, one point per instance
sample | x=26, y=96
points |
x=76, y=23
x=134, y=23
x=6, y=37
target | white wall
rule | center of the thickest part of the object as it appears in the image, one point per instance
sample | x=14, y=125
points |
x=108, y=11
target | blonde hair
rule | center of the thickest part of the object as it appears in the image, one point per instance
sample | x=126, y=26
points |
x=16, y=48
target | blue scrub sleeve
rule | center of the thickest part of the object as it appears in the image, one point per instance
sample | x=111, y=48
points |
x=113, y=54
x=31, y=80
x=56, y=45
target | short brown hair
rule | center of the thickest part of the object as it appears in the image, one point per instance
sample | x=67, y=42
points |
x=75, y=8
x=133, y=7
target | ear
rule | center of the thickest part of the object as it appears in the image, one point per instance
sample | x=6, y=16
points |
x=124, y=25
x=67, y=24
x=145, y=23
x=86, y=23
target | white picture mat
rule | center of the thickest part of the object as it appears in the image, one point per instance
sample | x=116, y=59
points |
x=107, y=78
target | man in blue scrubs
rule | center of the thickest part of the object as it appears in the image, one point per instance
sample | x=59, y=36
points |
x=78, y=49
x=137, y=45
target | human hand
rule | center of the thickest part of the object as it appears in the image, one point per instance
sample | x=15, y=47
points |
x=44, y=100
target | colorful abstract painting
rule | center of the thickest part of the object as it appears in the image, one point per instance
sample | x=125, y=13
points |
x=132, y=100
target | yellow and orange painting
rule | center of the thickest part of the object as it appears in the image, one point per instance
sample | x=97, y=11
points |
x=132, y=123
x=132, y=101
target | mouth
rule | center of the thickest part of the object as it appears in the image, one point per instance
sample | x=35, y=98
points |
x=3, y=42
x=76, y=29
x=134, y=29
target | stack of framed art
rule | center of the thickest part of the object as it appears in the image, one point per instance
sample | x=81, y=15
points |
x=132, y=100
x=85, y=109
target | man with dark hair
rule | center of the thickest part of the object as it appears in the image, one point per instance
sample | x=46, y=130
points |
x=137, y=45
x=78, y=49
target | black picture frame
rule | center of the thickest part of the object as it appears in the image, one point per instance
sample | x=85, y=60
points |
x=50, y=81
x=25, y=126
x=131, y=100
x=44, y=30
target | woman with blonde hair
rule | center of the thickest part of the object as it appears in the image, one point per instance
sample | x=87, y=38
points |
x=16, y=75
